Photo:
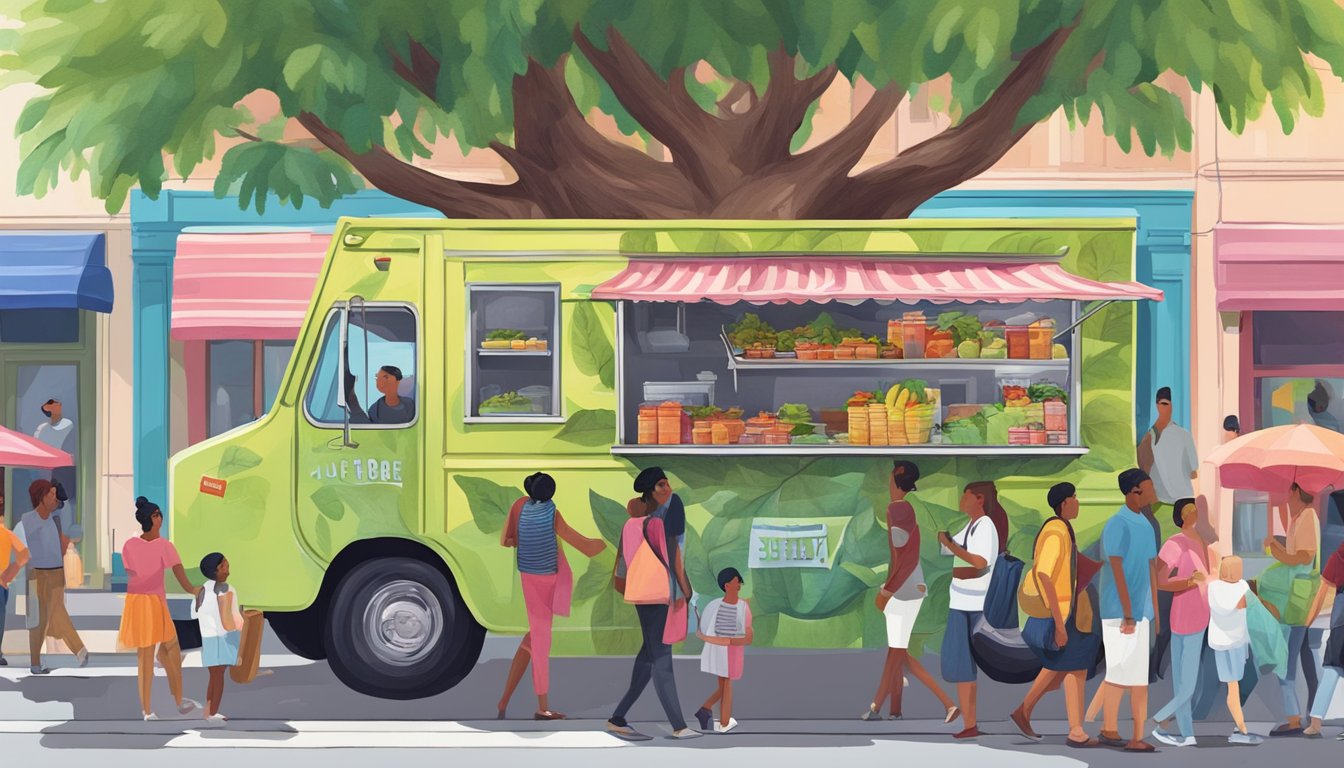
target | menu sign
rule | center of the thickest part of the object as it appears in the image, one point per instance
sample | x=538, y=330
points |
x=784, y=545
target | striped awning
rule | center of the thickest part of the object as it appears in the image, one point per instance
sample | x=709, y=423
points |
x=253, y=285
x=799, y=280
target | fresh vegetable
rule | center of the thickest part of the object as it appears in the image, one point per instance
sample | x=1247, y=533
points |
x=750, y=330
x=823, y=330
x=1039, y=393
x=859, y=399
x=802, y=429
x=703, y=411
x=917, y=393
x=506, y=334
x=1059, y=352
x=964, y=327
x=786, y=341
x=810, y=439
x=968, y=350
x=795, y=413
x=507, y=401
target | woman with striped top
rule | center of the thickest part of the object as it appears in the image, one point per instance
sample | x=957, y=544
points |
x=535, y=528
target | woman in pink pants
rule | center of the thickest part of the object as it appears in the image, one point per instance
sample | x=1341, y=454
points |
x=535, y=528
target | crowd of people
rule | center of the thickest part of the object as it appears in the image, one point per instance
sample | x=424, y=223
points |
x=1080, y=611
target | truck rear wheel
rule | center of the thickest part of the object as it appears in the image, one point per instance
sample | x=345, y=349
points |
x=301, y=632
x=398, y=629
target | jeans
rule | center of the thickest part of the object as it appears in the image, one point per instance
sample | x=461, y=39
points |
x=1207, y=690
x=1325, y=692
x=1186, y=651
x=654, y=661
x=1297, y=642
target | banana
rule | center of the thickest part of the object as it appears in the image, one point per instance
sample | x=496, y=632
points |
x=902, y=399
x=892, y=394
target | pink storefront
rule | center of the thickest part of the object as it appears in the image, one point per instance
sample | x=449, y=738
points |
x=239, y=300
x=1281, y=286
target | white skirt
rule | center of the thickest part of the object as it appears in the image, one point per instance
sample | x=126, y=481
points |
x=901, y=615
x=1126, y=655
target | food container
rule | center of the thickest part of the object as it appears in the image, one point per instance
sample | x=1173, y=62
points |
x=1019, y=342
x=686, y=428
x=1036, y=436
x=518, y=344
x=719, y=433
x=939, y=345
x=877, y=424
x=836, y=420
x=1056, y=416
x=736, y=428
x=1019, y=436
x=775, y=438
x=1040, y=338
x=896, y=429
x=845, y=353
x=699, y=392
x=858, y=425
x=752, y=439
x=1013, y=391
x=806, y=350
x=918, y=424
x=703, y=433
x=866, y=352
x=1056, y=438
x=895, y=333
x=890, y=352
x=993, y=343
x=648, y=425
x=669, y=423
x=914, y=332
x=540, y=395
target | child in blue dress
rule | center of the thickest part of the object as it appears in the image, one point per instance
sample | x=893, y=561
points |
x=216, y=608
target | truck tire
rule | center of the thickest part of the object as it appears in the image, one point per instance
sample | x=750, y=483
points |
x=398, y=629
x=301, y=632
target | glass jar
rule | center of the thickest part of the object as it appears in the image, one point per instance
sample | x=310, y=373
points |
x=915, y=333
x=1019, y=342
x=1041, y=338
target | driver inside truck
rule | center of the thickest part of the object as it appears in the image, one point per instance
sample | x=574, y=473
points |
x=391, y=408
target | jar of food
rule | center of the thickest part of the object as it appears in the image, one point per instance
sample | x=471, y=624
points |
x=669, y=423
x=895, y=334
x=993, y=342
x=703, y=433
x=1041, y=337
x=914, y=332
x=648, y=425
x=1019, y=342
x=719, y=433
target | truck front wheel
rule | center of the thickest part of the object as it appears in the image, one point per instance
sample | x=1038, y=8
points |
x=398, y=629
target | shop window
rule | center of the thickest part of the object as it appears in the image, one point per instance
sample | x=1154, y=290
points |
x=1300, y=400
x=1298, y=338
x=514, y=342
x=380, y=388
x=242, y=380
x=39, y=326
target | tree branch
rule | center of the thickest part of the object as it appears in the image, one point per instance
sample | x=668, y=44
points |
x=765, y=134
x=453, y=198
x=895, y=188
x=422, y=72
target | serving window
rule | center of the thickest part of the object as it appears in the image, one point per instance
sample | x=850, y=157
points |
x=513, y=352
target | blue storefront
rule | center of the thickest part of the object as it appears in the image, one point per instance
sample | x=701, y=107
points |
x=1163, y=260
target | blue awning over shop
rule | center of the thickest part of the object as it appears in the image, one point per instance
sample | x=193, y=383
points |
x=54, y=270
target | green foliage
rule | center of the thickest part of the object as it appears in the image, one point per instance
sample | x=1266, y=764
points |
x=121, y=90
x=591, y=345
x=489, y=502
x=589, y=428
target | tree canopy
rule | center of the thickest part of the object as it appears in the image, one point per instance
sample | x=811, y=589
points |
x=131, y=87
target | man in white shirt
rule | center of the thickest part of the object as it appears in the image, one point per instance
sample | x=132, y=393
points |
x=1169, y=451
x=57, y=430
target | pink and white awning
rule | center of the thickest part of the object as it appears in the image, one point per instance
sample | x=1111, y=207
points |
x=799, y=280
x=254, y=285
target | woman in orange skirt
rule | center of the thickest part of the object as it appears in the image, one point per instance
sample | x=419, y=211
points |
x=146, y=623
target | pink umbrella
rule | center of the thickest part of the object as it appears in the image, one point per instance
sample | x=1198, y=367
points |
x=20, y=450
x=1271, y=460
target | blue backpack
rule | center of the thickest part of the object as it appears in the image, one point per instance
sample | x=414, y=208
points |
x=1001, y=599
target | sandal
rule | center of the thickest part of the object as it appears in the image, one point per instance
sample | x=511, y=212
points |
x=1140, y=746
x=1024, y=725
x=1111, y=740
x=952, y=713
x=548, y=715
x=1086, y=744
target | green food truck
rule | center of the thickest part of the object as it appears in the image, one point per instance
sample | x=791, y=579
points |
x=773, y=369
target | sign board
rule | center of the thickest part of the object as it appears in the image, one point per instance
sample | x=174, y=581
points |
x=791, y=544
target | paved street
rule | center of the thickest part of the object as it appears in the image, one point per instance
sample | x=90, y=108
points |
x=794, y=708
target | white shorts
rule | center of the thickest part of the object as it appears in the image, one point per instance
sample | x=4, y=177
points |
x=901, y=615
x=1126, y=655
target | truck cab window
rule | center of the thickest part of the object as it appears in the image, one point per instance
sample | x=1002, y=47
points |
x=380, y=371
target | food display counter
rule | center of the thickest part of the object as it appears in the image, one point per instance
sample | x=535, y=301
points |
x=950, y=360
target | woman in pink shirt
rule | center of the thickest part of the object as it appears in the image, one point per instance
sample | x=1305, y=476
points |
x=1184, y=564
x=145, y=622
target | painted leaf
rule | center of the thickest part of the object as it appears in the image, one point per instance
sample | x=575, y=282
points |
x=589, y=428
x=590, y=345
x=596, y=577
x=489, y=502
x=871, y=577
x=328, y=501
x=615, y=627
x=237, y=459
x=609, y=515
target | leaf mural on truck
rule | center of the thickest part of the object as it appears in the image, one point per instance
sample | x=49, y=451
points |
x=489, y=502
x=591, y=346
x=589, y=428
x=596, y=578
x=615, y=627
x=237, y=459
x=609, y=515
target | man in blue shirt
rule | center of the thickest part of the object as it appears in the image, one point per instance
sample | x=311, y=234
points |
x=1128, y=608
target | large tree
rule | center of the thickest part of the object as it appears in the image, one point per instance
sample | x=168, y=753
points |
x=727, y=86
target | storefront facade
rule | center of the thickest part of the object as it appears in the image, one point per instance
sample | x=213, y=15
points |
x=219, y=294
x=1280, y=295
x=56, y=297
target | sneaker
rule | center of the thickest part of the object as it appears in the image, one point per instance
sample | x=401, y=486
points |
x=688, y=733
x=1173, y=739
x=39, y=671
x=150, y=717
x=216, y=718
x=3, y=662
x=895, y=717
x=622, y=730
x=83, y=657
x=1246, y=739
x=188, y=706
x=871, y=714
x=703, y=716
x=721, y=728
